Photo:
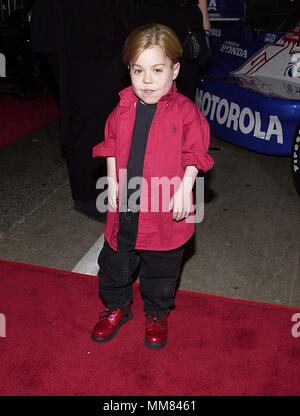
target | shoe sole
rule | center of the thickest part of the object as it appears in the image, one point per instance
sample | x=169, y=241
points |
x=109, y=337
x=155, y=345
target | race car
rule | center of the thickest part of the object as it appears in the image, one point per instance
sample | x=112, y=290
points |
x=250, y=91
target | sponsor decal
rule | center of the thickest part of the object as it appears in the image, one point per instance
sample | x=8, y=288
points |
x=296, y=65
x=288, y=72
x=226, y=9
x=268, y=61
x=292, y=89
x=212, y=6
x=295, y=150
x=232, y=116
x=270, y=37
x=293, y=68
x=215, y=32
x=233, y=48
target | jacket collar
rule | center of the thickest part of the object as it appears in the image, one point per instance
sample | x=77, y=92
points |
x=127, y=95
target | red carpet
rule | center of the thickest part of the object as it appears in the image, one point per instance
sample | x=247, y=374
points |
x=217, y=346
x=18, y=118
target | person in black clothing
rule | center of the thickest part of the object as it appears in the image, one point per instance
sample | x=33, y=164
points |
x=83, y=41
x=173, y=14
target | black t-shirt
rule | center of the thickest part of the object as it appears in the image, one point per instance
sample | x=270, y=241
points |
x=129, y=210
x=143, y=120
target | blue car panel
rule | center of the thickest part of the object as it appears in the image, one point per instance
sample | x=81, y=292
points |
x=246, y=100
x=243, y=117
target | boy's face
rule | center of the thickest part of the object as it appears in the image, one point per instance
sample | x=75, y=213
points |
x=152, y=74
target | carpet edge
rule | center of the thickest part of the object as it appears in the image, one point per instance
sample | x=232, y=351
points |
x=179, y=291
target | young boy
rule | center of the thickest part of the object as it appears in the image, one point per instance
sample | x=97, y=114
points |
x=156, y=136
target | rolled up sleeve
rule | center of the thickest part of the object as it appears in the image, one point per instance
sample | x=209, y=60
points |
x=196, y=140
x=107, y=148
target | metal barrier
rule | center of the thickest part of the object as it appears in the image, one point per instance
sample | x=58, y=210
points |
x=7, y=7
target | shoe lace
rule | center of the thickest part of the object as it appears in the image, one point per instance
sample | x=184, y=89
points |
x=110, y=310
x=159, y=320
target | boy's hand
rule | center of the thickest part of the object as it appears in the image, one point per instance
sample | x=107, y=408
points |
x=181, y=202
x=113, y=192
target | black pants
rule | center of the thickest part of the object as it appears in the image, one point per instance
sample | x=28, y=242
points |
x=159, y=272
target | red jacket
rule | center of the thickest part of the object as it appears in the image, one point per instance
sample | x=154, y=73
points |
x=179, y=136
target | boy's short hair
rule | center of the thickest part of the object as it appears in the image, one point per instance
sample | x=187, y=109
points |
x=148, y=35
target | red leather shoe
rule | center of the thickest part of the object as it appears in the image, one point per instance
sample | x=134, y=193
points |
x=156, y=334
x=109, y=323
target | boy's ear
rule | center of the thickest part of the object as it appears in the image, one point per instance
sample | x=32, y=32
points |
x=176, y=68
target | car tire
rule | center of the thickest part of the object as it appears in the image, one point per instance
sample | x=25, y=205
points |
x=295, y=159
